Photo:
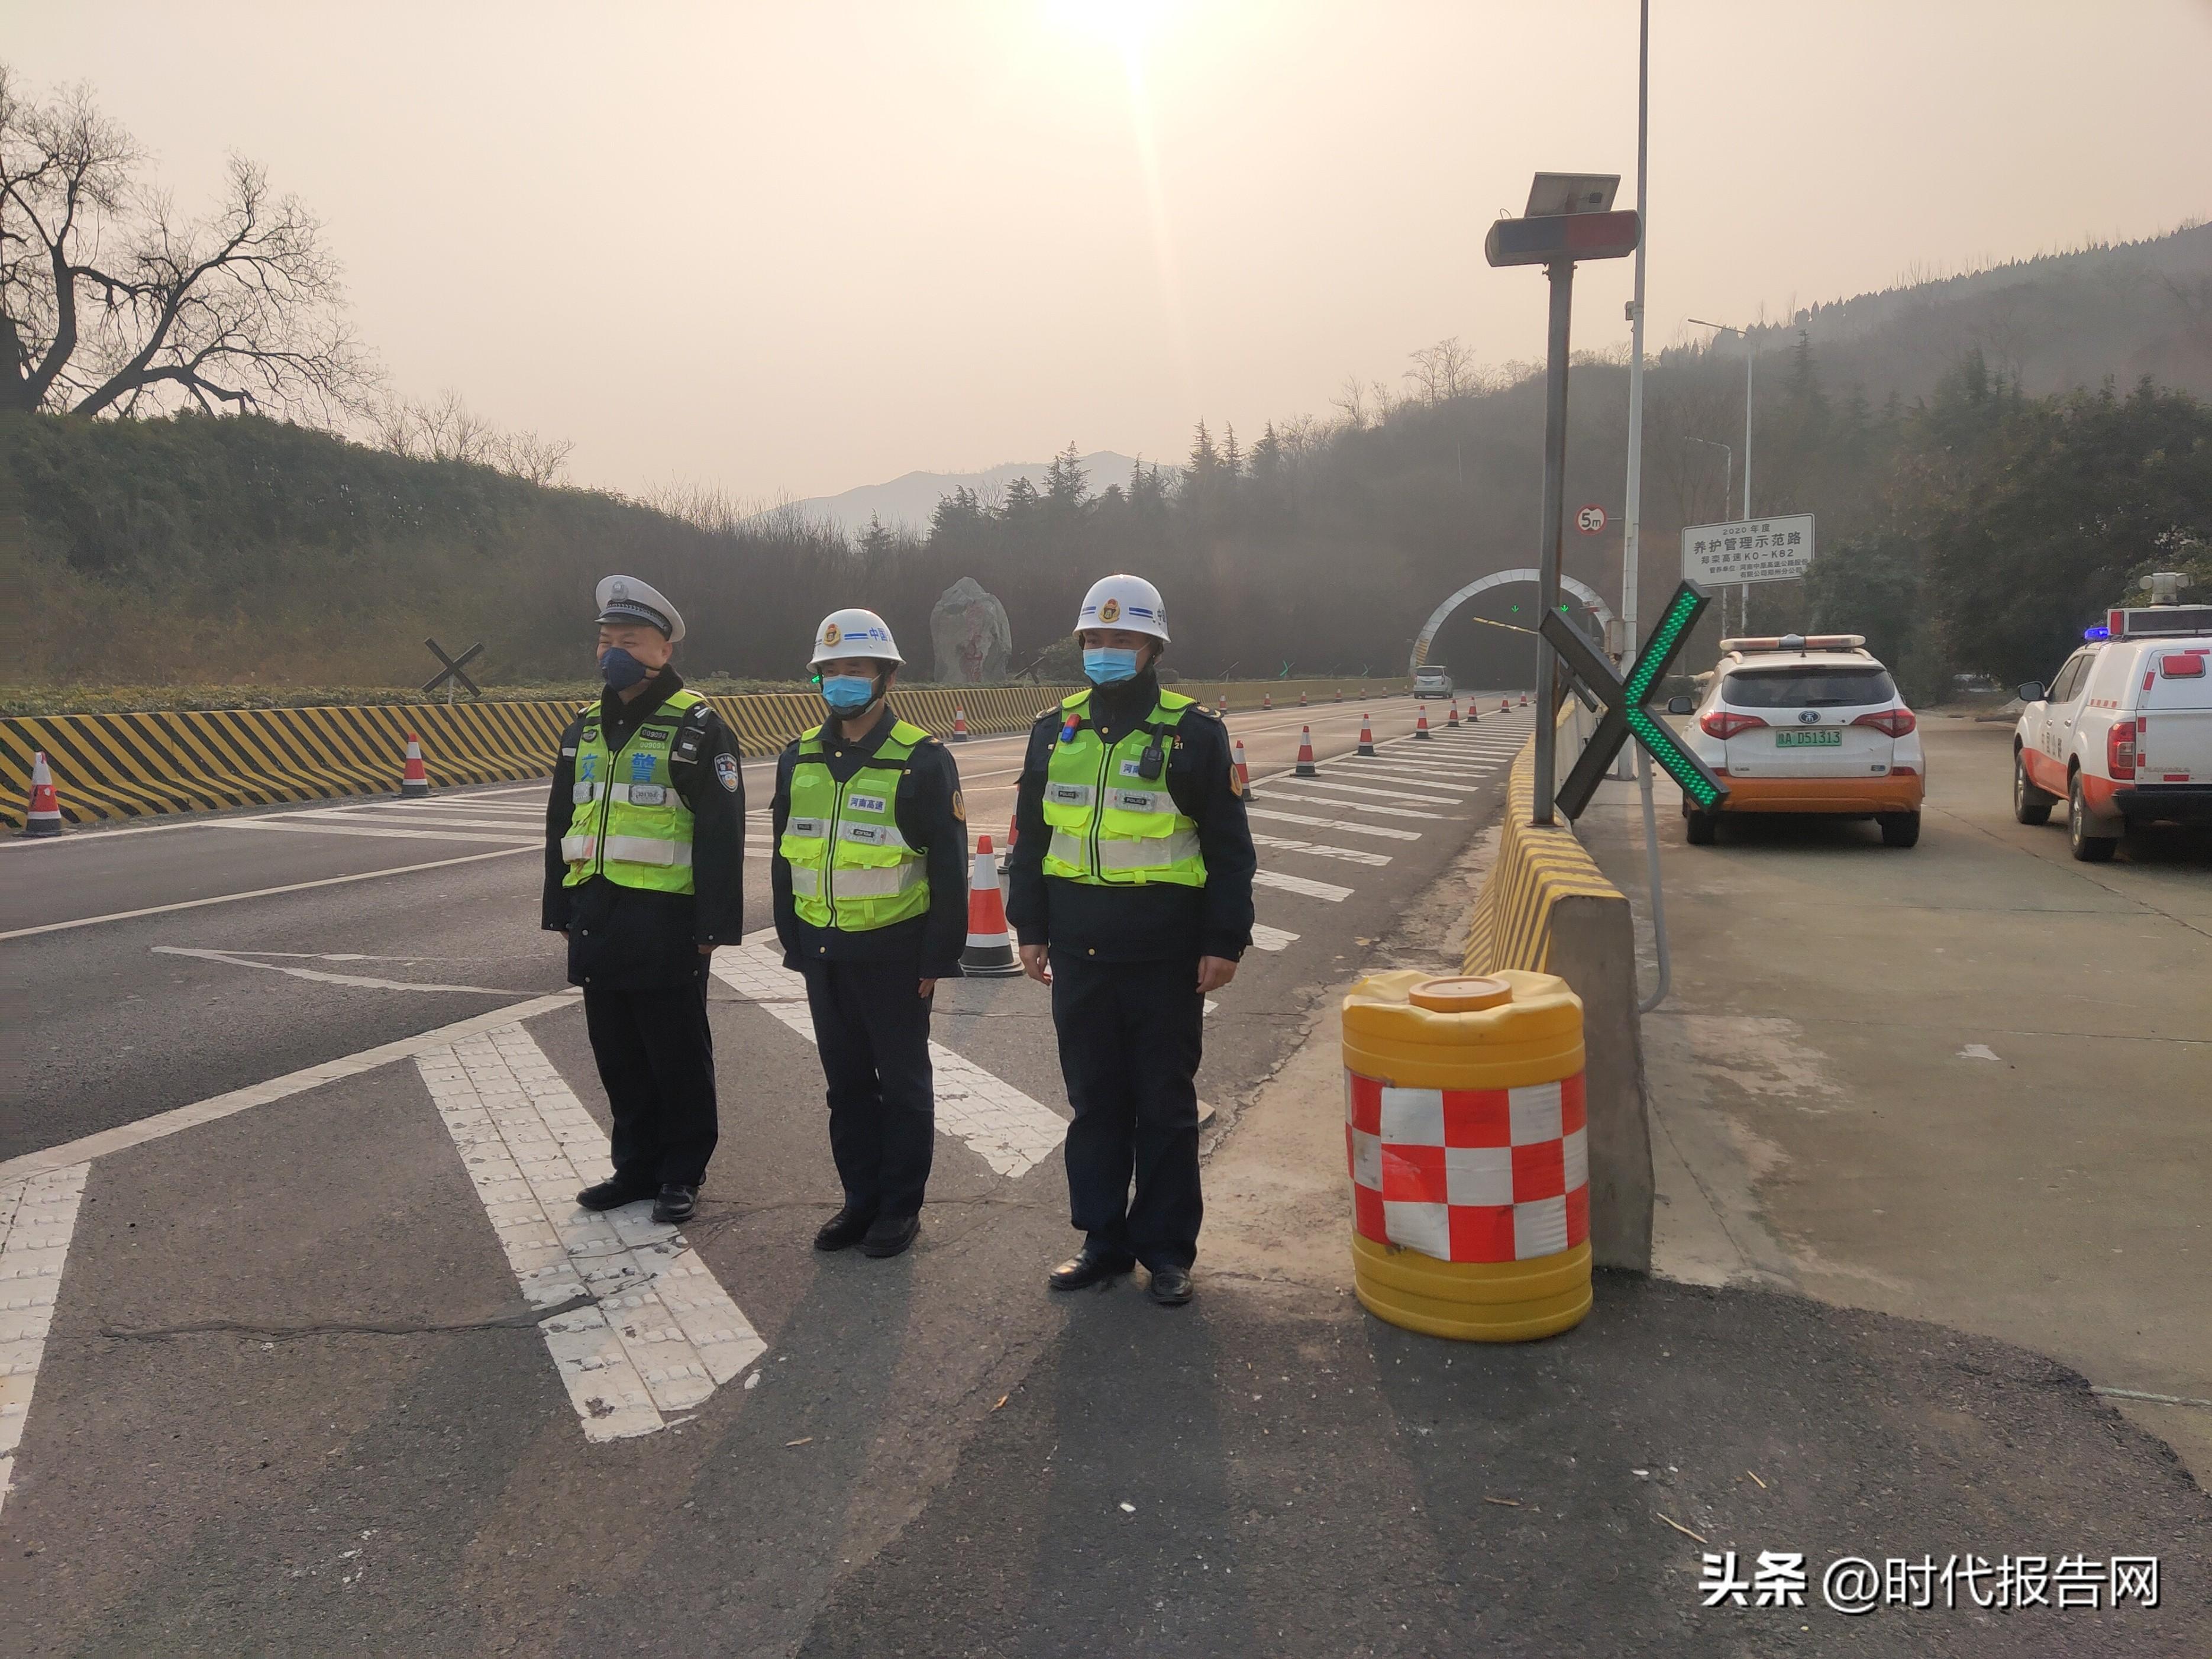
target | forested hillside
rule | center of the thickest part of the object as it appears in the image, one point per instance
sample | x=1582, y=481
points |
x=1975, y=501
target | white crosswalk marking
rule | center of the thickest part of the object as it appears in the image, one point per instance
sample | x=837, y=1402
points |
x=1275, y=794
x=1265, y=938
x=1007, y=1129
x=657, y=1333
x=1343, y=824
x=1432, y=797
x=1449, y=776
x=377, y=830
x=1319, y=890
x=1318, y=850
x=38, y=1217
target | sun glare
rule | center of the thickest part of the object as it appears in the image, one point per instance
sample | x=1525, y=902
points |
x=1125, y=25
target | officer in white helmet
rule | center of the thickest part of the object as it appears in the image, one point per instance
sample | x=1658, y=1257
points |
x=870, y=879
x=645, y=836
x=1130, y=894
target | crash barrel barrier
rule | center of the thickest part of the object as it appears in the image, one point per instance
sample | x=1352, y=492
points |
x=1464, y=1127
x=1546, y=908
x=139, y=765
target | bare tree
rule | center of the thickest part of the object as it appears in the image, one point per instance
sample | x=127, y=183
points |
x=447, y=429
x=113, y=302
x=1444, y=372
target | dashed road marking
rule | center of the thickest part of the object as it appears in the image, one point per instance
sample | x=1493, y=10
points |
x=1427, y=799
x=1319, y=890
x=1007, y=1129
x=1343, y=824
x=38, y=1217
x=1273, y=793
x=660, y=1333
x=370, y=829
x=1320, y=850
x=1265, y=938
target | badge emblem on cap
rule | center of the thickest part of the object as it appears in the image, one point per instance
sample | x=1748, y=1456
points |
x=1111, y=611
x=620, y=593
x=831, y=633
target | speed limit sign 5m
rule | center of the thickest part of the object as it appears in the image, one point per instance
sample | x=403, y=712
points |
x=1590, y=521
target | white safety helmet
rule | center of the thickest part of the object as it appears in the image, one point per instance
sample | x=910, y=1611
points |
x=854, y=632
x=1124, y=602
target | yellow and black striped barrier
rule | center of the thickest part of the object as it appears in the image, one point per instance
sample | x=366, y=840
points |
x=1537, y=868
x=140, y=765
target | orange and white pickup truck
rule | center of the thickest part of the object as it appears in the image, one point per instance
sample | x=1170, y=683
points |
x=2122, y=733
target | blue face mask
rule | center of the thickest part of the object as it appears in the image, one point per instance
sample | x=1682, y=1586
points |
x=1104, y=665
x=849, y=694
x=620, y=669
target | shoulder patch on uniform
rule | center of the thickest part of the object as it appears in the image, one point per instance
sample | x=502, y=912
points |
x=959, y=807
x=725, y=772
x=1201, y=709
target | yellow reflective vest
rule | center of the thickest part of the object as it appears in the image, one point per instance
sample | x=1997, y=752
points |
x=850, y=866
x=628, y=824
x=1114, y=823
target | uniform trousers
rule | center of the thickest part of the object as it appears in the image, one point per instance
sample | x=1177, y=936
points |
x=656, y=1057
x=1131, y=1035
x=873, y=1033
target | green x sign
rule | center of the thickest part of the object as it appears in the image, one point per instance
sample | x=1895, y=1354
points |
x=1626, y=713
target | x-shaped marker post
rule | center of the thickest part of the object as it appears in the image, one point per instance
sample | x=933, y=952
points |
x=454, y=667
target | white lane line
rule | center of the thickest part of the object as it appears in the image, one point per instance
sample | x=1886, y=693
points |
x=1007, y=1129
x=1319, y=890
x=126, y=1135
x=661, y=1333
x=435, y=804
x=258, y=892
x=1265, y=938
x=1432, y=797
x=1345, y=824
x=422, y=821
x=1446, y=777
x=322, y=976
x=38, y=1217
x=370, y=830
x=1275, y=794
x=1320, y=850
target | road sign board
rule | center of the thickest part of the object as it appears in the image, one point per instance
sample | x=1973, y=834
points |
x=1626, y=715
x=1750, y=550
x=1591, y=519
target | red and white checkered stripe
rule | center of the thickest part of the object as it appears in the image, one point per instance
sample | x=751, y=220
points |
x=1470, y=1175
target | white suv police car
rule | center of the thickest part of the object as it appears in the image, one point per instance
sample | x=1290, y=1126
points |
x=2123, y=734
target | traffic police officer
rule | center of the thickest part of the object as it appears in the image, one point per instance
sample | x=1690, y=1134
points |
x=1130, y=892
x=870, y=880
x=644, y=849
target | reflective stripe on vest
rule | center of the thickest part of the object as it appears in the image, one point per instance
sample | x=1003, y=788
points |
x=1110, y=823
x=629, y=823
x=851, y=868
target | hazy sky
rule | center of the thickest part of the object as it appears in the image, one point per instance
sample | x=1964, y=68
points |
x=798, y=246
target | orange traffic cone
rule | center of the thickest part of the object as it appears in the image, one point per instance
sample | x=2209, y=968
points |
x=1007, y=857
x=1305, y=767
x=1224, y=708
x=43, y=816
x=990, y=952
x=1474, y=713
x=1524, y=699
x=1503, y=705
x=1451, y=719
x=959, y=726
x=1421, y=724
x=1243, y=772
x=414, y=777
x=1340, y=694
x=1266, y=700
x=1366, y=737
x=1302, y=699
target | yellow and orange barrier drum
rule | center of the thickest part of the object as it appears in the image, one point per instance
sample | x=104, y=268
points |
x=1470, y=1163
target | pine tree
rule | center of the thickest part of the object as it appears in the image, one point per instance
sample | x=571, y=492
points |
x=1067, y=486
x=1021, y=497
x=1232, y=461
x=1205, y=459
x=1267, y=454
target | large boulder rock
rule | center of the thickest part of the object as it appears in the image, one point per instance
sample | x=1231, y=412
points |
x=970, y=629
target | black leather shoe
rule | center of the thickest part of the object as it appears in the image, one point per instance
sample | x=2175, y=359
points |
x=611, y=1195
x=892, y=1235
x=676, y=1202
x=848, y=1226
x=1172, y=1286
x=1090, y=1266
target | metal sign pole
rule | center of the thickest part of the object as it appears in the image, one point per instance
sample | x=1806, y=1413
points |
x=1561, y=273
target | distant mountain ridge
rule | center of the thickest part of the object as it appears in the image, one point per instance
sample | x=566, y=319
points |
x=907, y=501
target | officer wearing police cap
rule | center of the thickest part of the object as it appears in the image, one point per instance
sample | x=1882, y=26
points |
x=644, y=876
x=870, y=881
x=1130, y=893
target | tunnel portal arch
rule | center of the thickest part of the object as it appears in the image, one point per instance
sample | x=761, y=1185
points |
x=1442, y=613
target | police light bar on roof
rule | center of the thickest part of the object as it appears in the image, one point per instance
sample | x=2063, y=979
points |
x=1797, y=642
x=2160, y=622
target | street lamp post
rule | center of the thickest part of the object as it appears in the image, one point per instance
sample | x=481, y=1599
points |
x=1727, y=486
x=1750, y=361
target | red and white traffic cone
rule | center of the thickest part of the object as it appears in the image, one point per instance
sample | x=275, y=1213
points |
x=1421, y=724
x=1306, y=769
x=43, y=815
x=1363, y=694
x=1340, y=694
x=1366, y=737
x=1224, y=708
x=1007, y=857
x=1243, y=772
x=1451, y=718
x=959, y=726
x=1524, y=699
x=414, y=777
x=1504, y=705
x=990, y=952
x=1266, y=700
x=1302, y=699
x=1473, y=712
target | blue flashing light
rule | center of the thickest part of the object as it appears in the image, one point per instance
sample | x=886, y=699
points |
x=2100, y=632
